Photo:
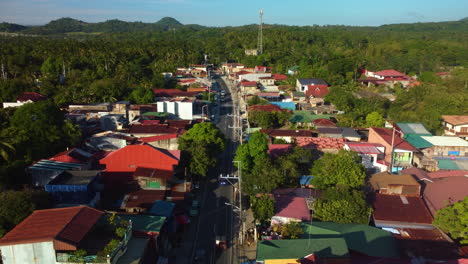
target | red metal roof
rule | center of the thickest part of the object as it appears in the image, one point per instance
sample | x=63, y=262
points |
x=276, y=150
x=267, y=107
x=320, y=143
x=279, y=77
x=185, y=124
x=249, y=84
x=445, y=191
x=399, y=143
x=447, y=173
x=65, y=225
x=389, y=73
x=417, y=173
x=271, y=94
x=33, y=96
x=158, y=138
x=319, y=91
x=322, y=122
x=393, y=208
x=129, y=158
x=363, y=148
x=292, y=207
x=287, y=133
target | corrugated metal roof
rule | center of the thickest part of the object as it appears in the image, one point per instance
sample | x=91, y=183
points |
x=145, y=223
x=363, y=148
x=417, y=141
x=299, y=248
x=413, y=128
x=447, y=165
x=446, y=141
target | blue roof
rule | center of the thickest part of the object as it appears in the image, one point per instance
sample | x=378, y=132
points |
x=305, y=179
x=162, y=208
x=285, y=105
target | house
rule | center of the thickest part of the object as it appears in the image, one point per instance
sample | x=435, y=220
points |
x=283, y=105
x=75, y=155
x=328, y=145
x=403, y=129
x=298, y=96
x=121, y=164
x=137, y=110
x=151, y=130
x=276, y=150
x=249, y=87
x=227, y=67
x=273, y=97
x=152, y=179
x=279, y=77
x=312, y=87
x=182, y=108
x=455, y=125
x=43, y=171
x=267, y=81
x=398, y=211
x=306, y=118
x=287, y=135
x=250, y=76
x=293, y=70
x=170, y=93
x=324, y=122
x=387, y=77
x=403, y=152
x=435, y=148
x=25, y=98
x=113, y=122
x=330, y=132
x=331, y=250
x=168, y=141
x=76, y=188
x=387, y=183
x=109, y=141
x=371, y=155
x=291, y=205
x=142, y=200
x=363, y=239
x=441, y=192
x=52, y=236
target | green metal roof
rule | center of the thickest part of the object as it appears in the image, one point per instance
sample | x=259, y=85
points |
x=365, y=239
x=299, y=248
x=413, y=128
x=145, y=223
x=306, y=117
x=448, y=165
x=417, y=141
x=160, y=114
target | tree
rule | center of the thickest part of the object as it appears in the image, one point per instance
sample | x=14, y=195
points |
x=374, y=119
x=141, y=95
x=255, y=100
x=38, y=130
x=292, y=230
x=294, y=164
x=343, y=168
x=453, y=220
x=17, y=205
x=342, y=205
x=263, y=207
x=6, y=149
x=203, y=143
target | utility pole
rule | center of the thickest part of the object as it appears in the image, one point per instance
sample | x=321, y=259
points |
x=240, y=199
x=260, y=34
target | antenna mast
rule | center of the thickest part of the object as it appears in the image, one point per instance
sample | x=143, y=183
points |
x=260, y=34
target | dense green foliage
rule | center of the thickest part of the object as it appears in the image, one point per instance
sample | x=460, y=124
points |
x=292, y=230
x=263, y=207
x=343, y=168
x=453, y=220
x=342, y=205
x=269, y=119
x=202, y=144
x=29, y=133
x=17, y=205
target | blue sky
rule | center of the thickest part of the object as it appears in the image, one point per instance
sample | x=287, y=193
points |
x=236, y=12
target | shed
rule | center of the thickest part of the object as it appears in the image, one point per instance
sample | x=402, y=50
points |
x=75, y=187
x=402, y=184
x=149, y=224
x=43, y=171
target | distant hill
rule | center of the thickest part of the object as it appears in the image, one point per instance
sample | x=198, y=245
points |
x=8, y=27
x=70, y=25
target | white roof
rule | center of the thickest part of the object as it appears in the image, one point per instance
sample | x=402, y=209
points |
x=446, y=141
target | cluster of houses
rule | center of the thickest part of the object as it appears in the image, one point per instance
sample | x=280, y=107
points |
x=130, y=165
x=412, y=175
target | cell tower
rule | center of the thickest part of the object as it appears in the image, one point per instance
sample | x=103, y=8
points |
x=260, y=34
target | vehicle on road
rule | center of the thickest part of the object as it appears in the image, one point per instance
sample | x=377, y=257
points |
x=223, y=182
x=223, y=92
x=199, y=255
x=194, y=208
x=220, y=243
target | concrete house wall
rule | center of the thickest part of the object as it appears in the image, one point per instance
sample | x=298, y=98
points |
x=37, y=253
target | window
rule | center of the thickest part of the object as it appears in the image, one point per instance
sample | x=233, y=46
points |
x=464, y=130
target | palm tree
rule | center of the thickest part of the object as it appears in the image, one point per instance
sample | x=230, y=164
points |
x=6, y=149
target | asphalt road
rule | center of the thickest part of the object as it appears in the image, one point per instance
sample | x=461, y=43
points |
x=215, y=217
